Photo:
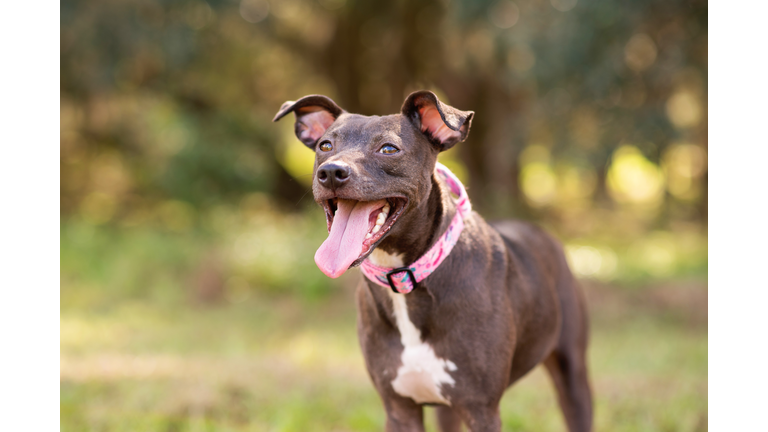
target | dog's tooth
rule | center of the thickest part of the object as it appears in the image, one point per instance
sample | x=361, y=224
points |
x=369, y=235
x=376, y=229
x=386, y=208
x=381, y=218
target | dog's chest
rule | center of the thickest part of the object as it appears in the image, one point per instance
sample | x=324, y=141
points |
x=422, y=375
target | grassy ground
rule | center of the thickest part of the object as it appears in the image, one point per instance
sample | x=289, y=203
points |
x=138, y=353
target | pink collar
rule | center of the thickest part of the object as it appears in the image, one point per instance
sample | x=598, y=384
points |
x=402, y=280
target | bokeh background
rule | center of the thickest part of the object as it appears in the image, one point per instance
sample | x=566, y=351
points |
x=190, y=299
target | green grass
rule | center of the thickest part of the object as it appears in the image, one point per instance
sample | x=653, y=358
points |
x=141, y=352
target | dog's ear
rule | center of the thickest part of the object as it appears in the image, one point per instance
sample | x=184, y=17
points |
x=443, y=124
x=314, y=115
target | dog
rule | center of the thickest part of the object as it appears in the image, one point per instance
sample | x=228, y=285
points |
x=452, y=310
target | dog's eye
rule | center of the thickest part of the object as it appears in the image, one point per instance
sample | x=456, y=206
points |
x=388, y=149
x=326, y=146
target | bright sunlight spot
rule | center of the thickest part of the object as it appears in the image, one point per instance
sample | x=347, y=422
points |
x=634, y=179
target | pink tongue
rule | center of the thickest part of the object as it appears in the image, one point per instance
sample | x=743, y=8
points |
x=345, y=241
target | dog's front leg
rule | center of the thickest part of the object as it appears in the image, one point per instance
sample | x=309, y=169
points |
x=404, y=415
x=480, y=418
x=447, y=419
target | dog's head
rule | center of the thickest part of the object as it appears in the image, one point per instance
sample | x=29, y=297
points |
x=371, y=171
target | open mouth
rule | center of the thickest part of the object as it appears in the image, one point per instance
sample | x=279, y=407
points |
x=354, y=230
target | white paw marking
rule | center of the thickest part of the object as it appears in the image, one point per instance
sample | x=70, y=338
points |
x=422, y=373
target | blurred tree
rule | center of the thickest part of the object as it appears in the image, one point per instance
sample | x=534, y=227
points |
x=173, y=99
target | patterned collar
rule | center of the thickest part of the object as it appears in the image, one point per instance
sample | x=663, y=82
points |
x=403, y=279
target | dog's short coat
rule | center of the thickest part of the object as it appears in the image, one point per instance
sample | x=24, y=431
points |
x=503, y=301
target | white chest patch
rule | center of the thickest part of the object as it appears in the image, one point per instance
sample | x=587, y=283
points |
x=422, y=373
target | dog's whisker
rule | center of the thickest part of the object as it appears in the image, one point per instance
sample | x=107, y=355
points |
x=302, y=197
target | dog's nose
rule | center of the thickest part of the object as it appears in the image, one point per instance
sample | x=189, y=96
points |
x=333, y=175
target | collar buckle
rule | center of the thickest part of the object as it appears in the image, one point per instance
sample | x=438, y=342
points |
x=408, y=271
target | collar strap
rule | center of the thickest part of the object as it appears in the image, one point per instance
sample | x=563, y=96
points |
x=403, y=279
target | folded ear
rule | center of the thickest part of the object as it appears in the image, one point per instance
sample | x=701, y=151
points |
x=314, y=115
x=443, y=124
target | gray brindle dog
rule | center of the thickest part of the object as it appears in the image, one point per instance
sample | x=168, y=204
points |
x=502, y=301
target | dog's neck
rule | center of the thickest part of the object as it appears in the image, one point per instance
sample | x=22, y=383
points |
x=419, y=229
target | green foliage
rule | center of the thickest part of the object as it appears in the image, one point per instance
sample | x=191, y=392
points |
x=179, y=96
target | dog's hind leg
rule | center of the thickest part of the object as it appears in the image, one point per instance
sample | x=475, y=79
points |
x=567, y=365
x=570, y=377
x=447, y=420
